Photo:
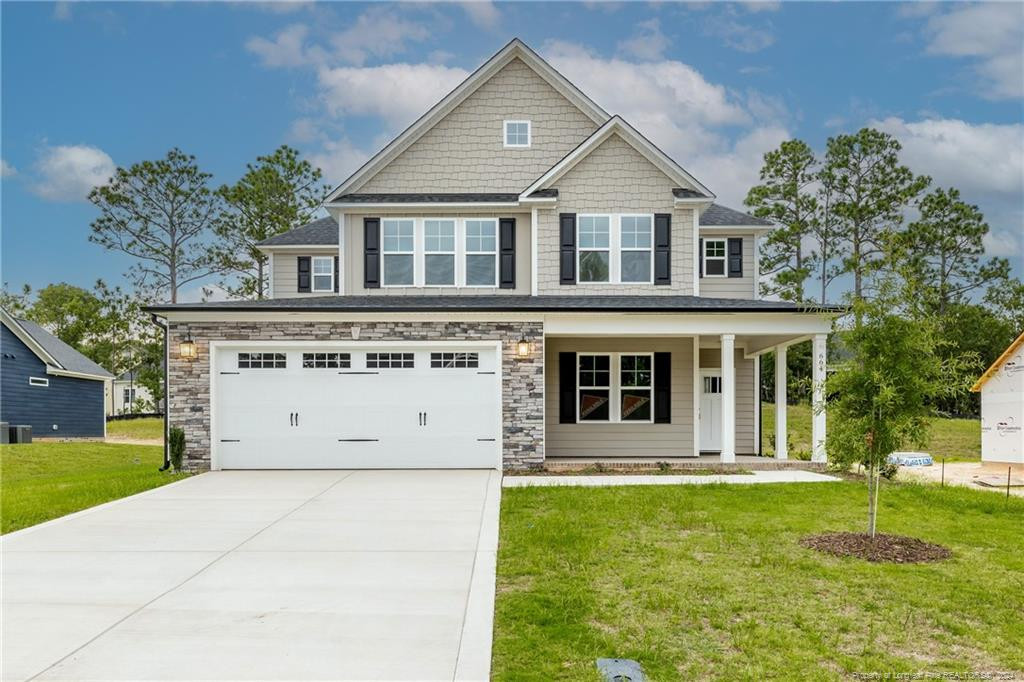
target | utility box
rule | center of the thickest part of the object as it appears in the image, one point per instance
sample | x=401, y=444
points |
x=5, y=433
x=20, y=433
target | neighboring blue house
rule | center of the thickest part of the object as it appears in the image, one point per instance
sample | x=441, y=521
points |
x=48, y=384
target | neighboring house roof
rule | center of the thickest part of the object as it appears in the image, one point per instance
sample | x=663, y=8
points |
x=319, y=232
x=513, y=50
x=502, y=303
x=618, y=125
x=55, y=353
x=1011, y=349
x=716, y=214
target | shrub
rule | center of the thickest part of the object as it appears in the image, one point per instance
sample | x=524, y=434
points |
x=177, y=445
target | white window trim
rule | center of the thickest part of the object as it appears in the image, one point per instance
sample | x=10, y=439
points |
x=614, y=389
x=614, y=247
x=724, y=258
x=417, y=247
x=422, y=252
x=504, y=134
x=38, y=381
x=466, y=252
x=649, y=249
x=313, y=274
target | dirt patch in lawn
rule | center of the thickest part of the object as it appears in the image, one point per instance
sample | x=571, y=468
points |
x=883, y=548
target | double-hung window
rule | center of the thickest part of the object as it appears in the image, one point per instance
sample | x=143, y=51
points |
x=615, y=387
x=482, y=253
x=635, y=233
x=714, y=257
x=595, y=248
x=399, y=249
x=323, y=273
x=439, y=253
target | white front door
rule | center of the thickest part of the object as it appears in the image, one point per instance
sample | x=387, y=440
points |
x=710, y=410
x=357, y=406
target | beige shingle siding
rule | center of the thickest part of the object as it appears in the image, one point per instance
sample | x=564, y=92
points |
x=623, y=439
x=464, y=152
x=353, y=270
x=745, y=396
x=615, y=178
x=732, y=287
x=286, y=271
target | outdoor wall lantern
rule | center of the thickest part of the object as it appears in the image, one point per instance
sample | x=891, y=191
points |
x=523, y=348
x=187, y=349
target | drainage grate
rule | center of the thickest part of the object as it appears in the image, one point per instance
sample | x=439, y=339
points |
x=620, y=670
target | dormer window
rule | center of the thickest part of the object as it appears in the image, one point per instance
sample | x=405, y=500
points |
x=517, y=133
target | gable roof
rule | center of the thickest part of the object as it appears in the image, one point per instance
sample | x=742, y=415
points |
x=990, y=372
x=58, y=356
x=716, y=214
x=514, y=49
x=618, y=125
x=323, y=231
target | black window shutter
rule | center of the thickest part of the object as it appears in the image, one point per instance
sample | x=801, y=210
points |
x=335, y=274
x=700, y=257
x=507, y=229
x=662, y=388
x=567, y=388
x=371, y=253
x=303, y=271
x=662, y=248
x=567, y=240
x=735, y=256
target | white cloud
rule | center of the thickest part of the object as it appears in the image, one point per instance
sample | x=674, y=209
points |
x=7, y=170
x=738, y=32
x=647, y=42
x=1002, y=243
x=731, y=170
x=399, y=93
x=993, y=34
x=69, y=172
x=287, y=48
x=483, y=13
x=62, y=11
x=977, y=158
x=203, y=292
x=338, y=159
x=757, y=6
x=378, y=32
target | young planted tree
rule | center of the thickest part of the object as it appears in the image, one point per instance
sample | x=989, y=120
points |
x=884, y=392
x=871, y=189
x=941, y=253
x=786, y=196
x=278, y=193
x=161, y=213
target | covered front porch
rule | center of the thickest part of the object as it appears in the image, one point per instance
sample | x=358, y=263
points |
x=638, y=390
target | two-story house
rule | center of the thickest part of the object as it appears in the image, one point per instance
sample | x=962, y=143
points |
x=518, y=277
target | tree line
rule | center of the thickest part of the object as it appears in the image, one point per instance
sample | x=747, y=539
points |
x=859, y=214
x=179, y=229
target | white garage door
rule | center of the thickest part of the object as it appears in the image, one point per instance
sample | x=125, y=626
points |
x=372, y=406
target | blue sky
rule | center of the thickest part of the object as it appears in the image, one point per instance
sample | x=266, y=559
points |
x=87, y=86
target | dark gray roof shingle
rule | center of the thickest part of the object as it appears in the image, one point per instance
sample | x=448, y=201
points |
x=680, y=193
x=461, y=198
x=323, y=232
x=497, y=303
x=67, y=357
x=717, y=214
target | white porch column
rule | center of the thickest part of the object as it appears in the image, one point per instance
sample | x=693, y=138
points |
x=728, y=398
x=696, y=394
x=781, y=434
x=818, y=360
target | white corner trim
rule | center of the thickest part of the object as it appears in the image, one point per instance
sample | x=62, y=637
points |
x=534, y=255
x=697, y=255
x=756, y=255
x=341, y=218
x=270, y=274
x=514, y=49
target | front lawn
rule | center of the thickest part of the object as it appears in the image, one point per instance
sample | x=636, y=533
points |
x=710, y=582
x=41, y=481
x=143, y=428
x=954, y=439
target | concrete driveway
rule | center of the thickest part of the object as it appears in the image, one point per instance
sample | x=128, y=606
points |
x=261, y=575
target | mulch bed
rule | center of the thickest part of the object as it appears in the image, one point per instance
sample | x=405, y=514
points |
x=883, y=548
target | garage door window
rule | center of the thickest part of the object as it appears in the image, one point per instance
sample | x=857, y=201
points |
x=262, y=361
x=389, y=360
x=454, y=360
x=326, y=360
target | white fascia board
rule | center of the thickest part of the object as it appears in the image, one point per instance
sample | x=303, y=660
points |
x=353, y=207
x=538, y=200
x=616, y=124
x=76, y=375
x=685, y=324
x=515, y=48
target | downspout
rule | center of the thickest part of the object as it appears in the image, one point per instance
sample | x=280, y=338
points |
x=167, y=396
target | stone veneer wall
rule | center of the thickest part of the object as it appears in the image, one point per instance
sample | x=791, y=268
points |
x=522, y=392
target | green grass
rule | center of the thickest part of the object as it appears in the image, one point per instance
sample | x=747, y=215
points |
x=710, y=582
x=147, y=428
x=954, y=439
x=42, y=481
